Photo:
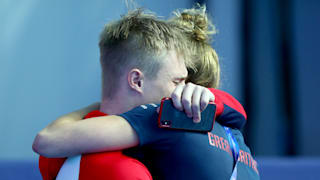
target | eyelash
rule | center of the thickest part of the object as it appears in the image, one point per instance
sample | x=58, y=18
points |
x=176, y=83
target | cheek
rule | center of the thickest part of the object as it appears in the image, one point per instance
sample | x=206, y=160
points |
x=165, y=90
x=170, y=88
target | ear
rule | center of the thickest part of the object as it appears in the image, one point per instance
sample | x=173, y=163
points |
x=135, y=80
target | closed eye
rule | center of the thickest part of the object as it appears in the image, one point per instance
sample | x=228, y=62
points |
x=179, y=81
x=176, y=82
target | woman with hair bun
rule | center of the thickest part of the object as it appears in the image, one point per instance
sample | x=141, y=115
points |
x=197, y=26
x=168, y=154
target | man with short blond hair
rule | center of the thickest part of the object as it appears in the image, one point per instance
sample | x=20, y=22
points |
x=138, y=40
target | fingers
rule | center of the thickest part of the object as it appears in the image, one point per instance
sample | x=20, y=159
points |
x=191, y=96
x=192, y=99
x=206, y=97
x=186, y=99
x=196, y=113
x=176, y=97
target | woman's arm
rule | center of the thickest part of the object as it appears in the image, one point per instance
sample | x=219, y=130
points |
x=69, y=135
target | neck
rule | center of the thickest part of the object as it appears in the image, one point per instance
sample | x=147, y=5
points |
x=119, y=103
x=114, y=106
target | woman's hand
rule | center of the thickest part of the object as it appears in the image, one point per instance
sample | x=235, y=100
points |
x=193, y=99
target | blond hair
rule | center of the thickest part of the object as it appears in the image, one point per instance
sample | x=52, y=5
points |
x=138, y=40
x=196, y=25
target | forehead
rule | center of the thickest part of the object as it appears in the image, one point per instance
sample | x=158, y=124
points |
x=173, y=65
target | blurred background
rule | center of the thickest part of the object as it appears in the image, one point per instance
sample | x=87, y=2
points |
x=49, y=65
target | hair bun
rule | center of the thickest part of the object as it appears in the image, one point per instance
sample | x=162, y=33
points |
x=196, y=21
